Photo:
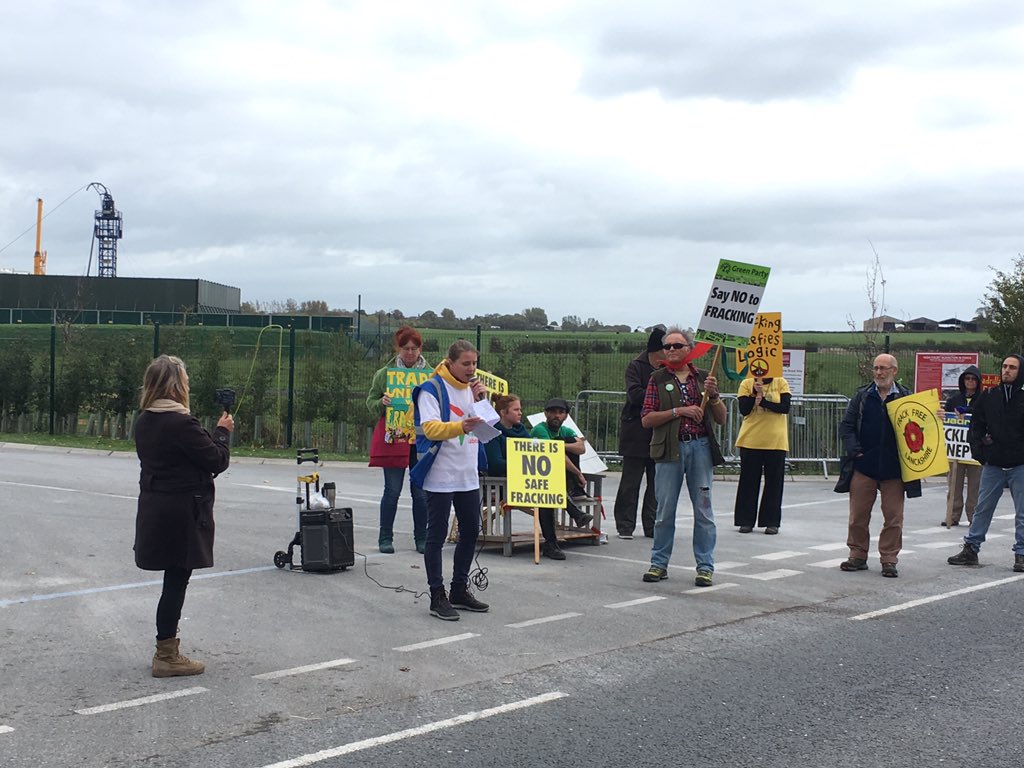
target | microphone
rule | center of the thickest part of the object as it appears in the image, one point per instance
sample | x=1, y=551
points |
x=473, y=380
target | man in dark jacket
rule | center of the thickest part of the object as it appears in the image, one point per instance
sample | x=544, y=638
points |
x=872, y=467
x=962, y=403
x=996, y=436
x=635, y=444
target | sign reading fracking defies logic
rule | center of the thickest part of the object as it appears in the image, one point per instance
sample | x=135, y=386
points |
x=728, y=316
x=762, y=356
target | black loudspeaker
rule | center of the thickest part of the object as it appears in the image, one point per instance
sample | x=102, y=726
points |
x=327, y=543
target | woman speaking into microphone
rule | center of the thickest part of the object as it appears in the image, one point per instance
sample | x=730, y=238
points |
x=447, y=469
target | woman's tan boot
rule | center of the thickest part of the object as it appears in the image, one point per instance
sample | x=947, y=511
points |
x=167, y=662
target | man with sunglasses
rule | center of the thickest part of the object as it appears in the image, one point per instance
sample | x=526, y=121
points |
x=871, y=468
x=683, y=445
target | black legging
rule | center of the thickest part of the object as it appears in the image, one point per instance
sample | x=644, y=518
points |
x=168, y=610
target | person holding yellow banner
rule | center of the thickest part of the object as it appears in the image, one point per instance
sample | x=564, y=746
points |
x=871, y=468
x=763, y=442
x=393, y=450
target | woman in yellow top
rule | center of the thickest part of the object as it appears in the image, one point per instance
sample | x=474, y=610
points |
x=763, y=442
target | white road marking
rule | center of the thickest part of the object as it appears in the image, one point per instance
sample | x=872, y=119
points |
x=828, y=547
x=544, y=620
x=432, y=643
x=140, y=702
x=776, y=556
x=729, y=565
x=927, y=531
x=638, y=601
x=828, y=563
x=469, y=717
x=837, y=500
x=781, y=573
x=940, y=544
x=704, y=590
x=934, y=598
x=304, y=669
x=69, y=490
x=134, y=585
x=6, y=729
x=1010, y=516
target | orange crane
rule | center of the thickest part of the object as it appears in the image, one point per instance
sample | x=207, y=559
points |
x=39, y=261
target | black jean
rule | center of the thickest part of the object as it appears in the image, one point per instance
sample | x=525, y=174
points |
x=168, y=610
x=467, y=512
x=633, y=472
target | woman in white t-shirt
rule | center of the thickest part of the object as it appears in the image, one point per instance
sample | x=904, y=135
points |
x=452, y=479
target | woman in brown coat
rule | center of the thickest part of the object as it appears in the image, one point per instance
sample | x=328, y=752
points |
x=174, y=525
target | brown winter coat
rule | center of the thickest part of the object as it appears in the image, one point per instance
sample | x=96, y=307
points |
x=174, y=525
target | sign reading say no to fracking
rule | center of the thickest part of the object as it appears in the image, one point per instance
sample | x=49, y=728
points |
x=728, y=316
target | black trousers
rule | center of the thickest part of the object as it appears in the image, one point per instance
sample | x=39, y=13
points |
x=754, y=462
x=168, y=610
x=633, y=472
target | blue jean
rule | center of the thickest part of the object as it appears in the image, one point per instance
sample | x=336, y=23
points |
x=993, y=479
x=467, y=512
x=695, y=465
x=394, y=478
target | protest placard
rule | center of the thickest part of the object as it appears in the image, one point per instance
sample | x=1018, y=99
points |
x=495, y=384
x=536, y=473
x=762, y=355
x=920, y=437
x=728, y=315
x=398, y=418
x=955, y=427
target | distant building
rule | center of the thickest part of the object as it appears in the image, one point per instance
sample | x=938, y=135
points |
x=883, y=323
x=887, y=323
x=956, y=324
x=921, y=324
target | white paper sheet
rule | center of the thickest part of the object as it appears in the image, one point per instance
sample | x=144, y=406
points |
x=590, y=461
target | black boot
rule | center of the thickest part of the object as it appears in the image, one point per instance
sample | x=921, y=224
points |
x=462, y=597
x=440, y=607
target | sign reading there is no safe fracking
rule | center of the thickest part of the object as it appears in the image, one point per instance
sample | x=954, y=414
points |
x=728, y=316
x=536, y=473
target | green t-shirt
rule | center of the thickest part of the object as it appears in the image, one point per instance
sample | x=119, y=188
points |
x=564, y=433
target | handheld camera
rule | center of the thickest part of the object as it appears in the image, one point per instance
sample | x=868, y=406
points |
x=225, y=398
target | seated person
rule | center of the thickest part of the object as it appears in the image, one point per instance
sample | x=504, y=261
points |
x=510, y=409
x=555, y=413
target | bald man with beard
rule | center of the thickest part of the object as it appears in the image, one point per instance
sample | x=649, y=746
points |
x=871, y=468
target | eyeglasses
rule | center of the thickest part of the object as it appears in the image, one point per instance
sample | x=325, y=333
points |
x=882, y=367
x=677, y=345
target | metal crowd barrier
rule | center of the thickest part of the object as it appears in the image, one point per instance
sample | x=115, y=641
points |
x=813, y=426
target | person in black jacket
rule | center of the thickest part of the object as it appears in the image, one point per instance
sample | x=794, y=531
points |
x=174, y=524
x=996, y=436
x=961, y=403
x=635, y=444
x=871, y=467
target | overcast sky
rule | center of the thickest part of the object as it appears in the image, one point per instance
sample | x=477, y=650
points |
x=590, y=158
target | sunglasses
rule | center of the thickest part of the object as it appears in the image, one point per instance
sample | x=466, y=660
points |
x=677, y=345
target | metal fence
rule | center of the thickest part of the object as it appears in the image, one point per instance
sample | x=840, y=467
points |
x=813, y=425
x=300, y=386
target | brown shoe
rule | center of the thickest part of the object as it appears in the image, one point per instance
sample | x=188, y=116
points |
x=168, y=662
x=853, y=564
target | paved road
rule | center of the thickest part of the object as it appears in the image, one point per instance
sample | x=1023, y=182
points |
x=786, y=661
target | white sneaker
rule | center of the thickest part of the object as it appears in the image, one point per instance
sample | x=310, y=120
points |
x=626, y=536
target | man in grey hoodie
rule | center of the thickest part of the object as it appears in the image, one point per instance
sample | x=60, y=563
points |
x=962, y=403
x=996, y=436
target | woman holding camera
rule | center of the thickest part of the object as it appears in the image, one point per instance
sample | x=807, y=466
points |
x=174, y=524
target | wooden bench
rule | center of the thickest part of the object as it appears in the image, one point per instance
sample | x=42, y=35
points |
x=497, y=517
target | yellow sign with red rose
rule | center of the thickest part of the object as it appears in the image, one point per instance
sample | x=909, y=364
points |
x=920, y=437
